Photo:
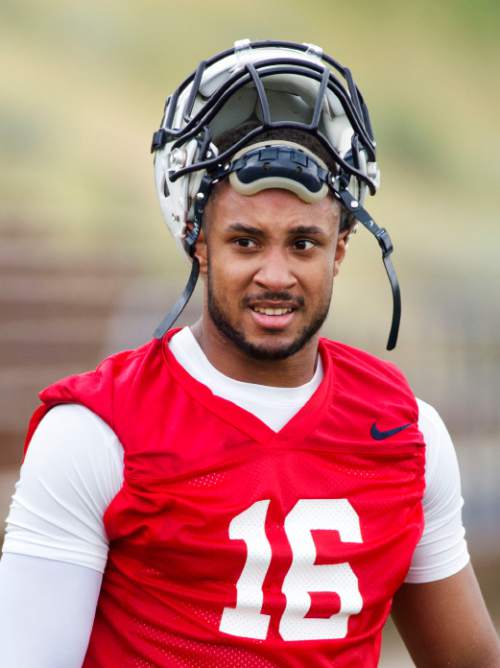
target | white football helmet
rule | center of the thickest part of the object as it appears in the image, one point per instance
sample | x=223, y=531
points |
x=275, y=85
x=248, y=91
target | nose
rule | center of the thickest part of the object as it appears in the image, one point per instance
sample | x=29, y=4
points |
x=275, y=272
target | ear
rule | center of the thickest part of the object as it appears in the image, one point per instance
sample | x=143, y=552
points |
x=201, y=252
x=340, y=251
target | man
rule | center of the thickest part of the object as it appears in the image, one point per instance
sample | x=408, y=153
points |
x=243, y=492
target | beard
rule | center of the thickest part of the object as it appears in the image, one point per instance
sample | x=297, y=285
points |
x=263, y=352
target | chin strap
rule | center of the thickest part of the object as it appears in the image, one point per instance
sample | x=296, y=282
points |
x=189, y=244
x=385, y=243
x=179, y=305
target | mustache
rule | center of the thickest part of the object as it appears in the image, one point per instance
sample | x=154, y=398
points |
x=280, y=296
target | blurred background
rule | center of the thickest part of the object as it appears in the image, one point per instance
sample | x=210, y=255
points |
x=87, y=267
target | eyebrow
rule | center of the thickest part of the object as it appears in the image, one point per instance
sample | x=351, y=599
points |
x=307, y=229
x=255, y=231
x=246, y=229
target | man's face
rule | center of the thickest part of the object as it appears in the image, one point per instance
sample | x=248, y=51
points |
x=269, y=260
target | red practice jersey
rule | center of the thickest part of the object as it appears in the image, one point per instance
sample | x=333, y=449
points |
x=235, y=546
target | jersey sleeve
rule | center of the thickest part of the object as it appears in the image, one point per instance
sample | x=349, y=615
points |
x=72, y=471
x=442, y=549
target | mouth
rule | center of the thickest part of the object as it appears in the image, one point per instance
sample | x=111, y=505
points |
x=273, y=311
x=272, y=316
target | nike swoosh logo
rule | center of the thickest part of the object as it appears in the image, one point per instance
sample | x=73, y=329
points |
x=381, y=435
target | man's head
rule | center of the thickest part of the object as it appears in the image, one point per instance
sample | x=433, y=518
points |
x=259, y=89
x=269, y=261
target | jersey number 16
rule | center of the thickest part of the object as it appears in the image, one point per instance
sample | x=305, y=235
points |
x=303, y=577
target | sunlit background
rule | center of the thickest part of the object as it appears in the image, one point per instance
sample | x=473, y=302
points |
x=87, y=267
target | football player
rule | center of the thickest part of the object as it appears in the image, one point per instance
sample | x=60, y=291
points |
x=243, y=492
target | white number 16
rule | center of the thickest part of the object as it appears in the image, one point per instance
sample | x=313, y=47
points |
x=303, y=577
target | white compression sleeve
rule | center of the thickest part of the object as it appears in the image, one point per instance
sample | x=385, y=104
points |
x=72, y=471
x=442, y=549
x=47, y=610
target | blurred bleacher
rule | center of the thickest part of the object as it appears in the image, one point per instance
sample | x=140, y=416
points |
x=61, y=311
x=54, y=310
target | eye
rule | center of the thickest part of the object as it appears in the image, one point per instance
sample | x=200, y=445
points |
x=245, y=242
x=303, y=244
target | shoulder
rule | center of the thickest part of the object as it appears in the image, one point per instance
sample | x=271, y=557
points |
x=78, y=427
x=71, y=472
x=356, y=357
x=113, y=374
x=365, y=386
x=123, y=363
x=70, y=437
x=363, y=367
x=107, y=389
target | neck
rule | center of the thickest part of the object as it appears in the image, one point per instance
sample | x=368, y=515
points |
x=230, y=360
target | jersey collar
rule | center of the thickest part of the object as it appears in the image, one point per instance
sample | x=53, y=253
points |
x=301, y=424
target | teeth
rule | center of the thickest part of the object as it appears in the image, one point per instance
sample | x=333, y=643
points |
x=272, y=311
